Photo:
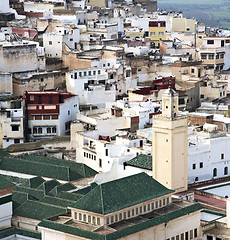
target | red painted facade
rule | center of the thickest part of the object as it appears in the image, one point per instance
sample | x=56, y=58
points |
x=157, y=85
x=22, y=32
x=157, y=23
x=38, y=103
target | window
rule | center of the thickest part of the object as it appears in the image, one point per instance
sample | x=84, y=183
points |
x=186, y=236
x=54, y=130
x=210, y=41
x=133, y=212
x=107, y=220
x=192, y=70
x=160, y=203
x=100, y=163
x=89, y=73
x=182, y=236
x=38, y=117
x=116, y=218
x=16, y=140
x=54, y=117
x=46, y=117
x=156, y=204
x=31, y=97
x=94, y=72
x=120, y=216
x=108, y=64
x=152, y=34
x=48, y=130
x=148, y=207
x=80, y=74
x=15, y=128
x=128, y=214
x=136, y=211
x=94, y=220
x=98, y=221
x=99, y=72
x=210, y=56
x=35, y=131
x=144, y=210
x=39, y=130
x=80, y=216
x=39, y=99
x=163, y=201
x=124, y=215
x=177, y=237
x=50, y=42
x=68, y=112
x=50, y=99
x=191, y=234
x=106, y=152
x=203, y=56
x=140, y=209
x=195, y=232
x=84, y=73
x=84, y=218
x=161, y=33
x=89, y=218
x=222, y=155
x=152, y=206
x=214, y=172
x=194, y=166
x=226, y=171
x=196, y=179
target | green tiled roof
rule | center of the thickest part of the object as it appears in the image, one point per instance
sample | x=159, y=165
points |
x=85, y=190
x=35, y=182
x=79, y=169
x=35, y=168
x=20, y=231
x=56, y=201
x=60, y=188
x=69, y=196
x=3, y=153
x=141, y=161
x=5, y=183
x=47, y=186
x=121, y=193
x=47, y=167
x=38, y=194
x=164, y=218
x=38, y=210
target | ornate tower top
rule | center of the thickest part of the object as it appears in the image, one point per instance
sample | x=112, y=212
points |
x=169, y=103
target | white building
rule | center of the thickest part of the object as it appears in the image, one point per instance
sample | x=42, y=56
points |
x=11, y=127
x=208, y=154
x=92, y=85
x=53, y=42
x=102, y=138
x=49, y=114
x=21, y=56
x=6, y=210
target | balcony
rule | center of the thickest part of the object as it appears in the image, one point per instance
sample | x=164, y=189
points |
x=16, y=119
x=89, y=147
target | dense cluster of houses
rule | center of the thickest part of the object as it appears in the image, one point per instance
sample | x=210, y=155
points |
x=114, y=122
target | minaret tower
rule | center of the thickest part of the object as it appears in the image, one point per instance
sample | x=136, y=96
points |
x=169, y=144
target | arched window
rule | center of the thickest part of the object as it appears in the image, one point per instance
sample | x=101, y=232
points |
x=214, y=172
x=196, y=179
x=54, y=130
x=39, y=130
x=226, y=171
x=48, y=130
x=35, y=131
